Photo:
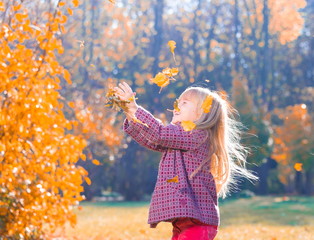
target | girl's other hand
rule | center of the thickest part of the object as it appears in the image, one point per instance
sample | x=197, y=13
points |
x=125, y=92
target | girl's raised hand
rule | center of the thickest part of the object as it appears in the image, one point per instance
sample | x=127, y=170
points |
x=125, y=92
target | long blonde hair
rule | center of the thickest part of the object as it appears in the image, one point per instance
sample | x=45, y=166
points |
x=227, y=156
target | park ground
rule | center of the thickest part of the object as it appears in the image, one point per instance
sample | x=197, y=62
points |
x=256, y=218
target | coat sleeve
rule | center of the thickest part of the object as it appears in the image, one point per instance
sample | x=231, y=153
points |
x=129, y=128
x=171, y=136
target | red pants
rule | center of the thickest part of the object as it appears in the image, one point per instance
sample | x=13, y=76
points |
x=192, y=229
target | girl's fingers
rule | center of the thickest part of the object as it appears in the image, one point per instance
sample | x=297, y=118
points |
x=128, y=87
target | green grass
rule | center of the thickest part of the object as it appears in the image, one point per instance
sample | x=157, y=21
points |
x=291, y=211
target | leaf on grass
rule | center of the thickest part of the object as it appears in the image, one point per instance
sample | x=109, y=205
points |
x=188, y=125
x=175, y=179
x=207, y=104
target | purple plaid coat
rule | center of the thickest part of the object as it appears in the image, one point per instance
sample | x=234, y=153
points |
x=182, y=152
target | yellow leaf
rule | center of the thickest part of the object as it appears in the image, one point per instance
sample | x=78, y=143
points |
x=170, y=72
x=188, y=125
x=298, y=167
x=16, y=8
x=67, y=76
x=134, y=119
x=176, y=105
x=20, y=16
x=161, y=80
x=172, y=46
x=175, y=179
x=70, y=11
x=96, y=162
x=87, y=180
x=71, y=104
x=207, y=104
x=61, y=4
x=1, y=7
x=76, y=3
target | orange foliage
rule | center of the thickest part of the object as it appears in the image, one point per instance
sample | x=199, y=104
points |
x=293, y=141
x=39, y=180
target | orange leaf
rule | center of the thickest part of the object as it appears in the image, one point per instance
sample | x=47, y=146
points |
x=87, y=180
x=207, y=104
x=188, y=125
x=175, y=179
x=16, y=8
x=20, y=16
x=61, y=4
x=96, y=162
x=71, y=104
x=298, y=167
x=70, y=11
x=172, y=46
x=67, y=76
x=76, y=3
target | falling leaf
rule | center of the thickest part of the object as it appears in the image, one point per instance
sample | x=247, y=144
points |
x=207, y=104
x=298, y=167
x=70, y=11
x=88, y=181
x=96, y=162
x=172, y=45
x=161, y=80
x=175, y=179
x=188, y=125
x=176, y=105
x=76, y=3
x=170, y=72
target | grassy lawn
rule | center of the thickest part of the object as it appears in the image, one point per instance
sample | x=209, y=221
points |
x=257, y=218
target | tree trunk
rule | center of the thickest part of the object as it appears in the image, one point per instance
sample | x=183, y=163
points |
x=265, y=66
x=236, y=37
x=157, y=41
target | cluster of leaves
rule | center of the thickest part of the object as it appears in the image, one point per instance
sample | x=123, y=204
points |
x=39, y=180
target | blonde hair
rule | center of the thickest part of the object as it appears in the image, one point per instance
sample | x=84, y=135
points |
x=227, y=156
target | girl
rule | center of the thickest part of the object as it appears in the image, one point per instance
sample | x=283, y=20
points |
x=196, y=166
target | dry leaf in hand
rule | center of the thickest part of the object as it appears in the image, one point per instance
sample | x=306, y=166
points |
x=188, y=125
x=207, y=104
x=115, y=102
x=175, y=179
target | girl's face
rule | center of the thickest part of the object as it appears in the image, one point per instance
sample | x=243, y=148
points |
x=189, y=110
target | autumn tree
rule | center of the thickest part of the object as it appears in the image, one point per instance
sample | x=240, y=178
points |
x=294, y=148
x=39, y=180
x=257, y=129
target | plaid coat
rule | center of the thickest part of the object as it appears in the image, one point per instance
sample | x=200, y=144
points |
x=182, y=152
